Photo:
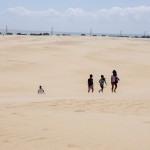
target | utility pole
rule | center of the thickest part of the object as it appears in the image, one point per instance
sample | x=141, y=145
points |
x=144, y=33
x=121, y=33
x=91, y=32
x=6, y=29
x=52, y=31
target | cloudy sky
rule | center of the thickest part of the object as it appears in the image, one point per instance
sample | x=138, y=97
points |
x=103, y=16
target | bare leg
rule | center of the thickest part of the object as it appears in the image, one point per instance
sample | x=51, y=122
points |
x=115, y=87
x=101, y=89
x=112, y=89
x=92, y=90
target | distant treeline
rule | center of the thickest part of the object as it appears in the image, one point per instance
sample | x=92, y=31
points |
x=66, y=34
x=9, y=33
x=39, y=34
x=21, y=34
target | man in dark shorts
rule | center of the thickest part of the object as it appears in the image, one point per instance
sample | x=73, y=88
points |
x=90, y=84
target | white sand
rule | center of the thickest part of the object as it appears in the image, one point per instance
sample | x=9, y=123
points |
x=67, y=117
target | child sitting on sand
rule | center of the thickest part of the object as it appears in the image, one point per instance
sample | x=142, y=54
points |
x=41, y=91
x=102, y=81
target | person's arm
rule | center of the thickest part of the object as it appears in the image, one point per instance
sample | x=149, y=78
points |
x=118, y=79
x=38, y=91
x=43, y=91
x=99, y=81
x=111, y=79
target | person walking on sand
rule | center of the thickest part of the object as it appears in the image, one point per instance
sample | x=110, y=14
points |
x=41, y=91
x=114, y=81
x=90, y=84
x=101, y=82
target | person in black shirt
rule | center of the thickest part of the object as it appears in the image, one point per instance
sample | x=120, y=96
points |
x=90, y=84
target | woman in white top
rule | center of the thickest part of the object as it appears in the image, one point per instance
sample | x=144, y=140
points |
x=114, y=81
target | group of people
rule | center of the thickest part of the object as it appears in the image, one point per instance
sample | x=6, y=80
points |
x=102, y=81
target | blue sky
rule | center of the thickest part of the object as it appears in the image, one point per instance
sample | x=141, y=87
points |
x=103, y=16
x=65, y=4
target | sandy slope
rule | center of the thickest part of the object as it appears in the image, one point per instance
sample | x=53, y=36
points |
x=67, y=117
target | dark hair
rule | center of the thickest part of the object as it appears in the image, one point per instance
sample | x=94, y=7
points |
x=114, y=72
x=91, y=75
x=102, y=76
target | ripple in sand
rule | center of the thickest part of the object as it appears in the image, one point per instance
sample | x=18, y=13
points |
x=80, y=111
x=146, y=122
x=36, y=139
x=15, y=113
x=5, y=141
x=72, y=145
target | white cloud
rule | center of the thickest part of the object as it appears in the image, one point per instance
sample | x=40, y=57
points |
x=76, y=12
x=136, y=12
x=31, y=13
x=122, y=12
x=76, y=19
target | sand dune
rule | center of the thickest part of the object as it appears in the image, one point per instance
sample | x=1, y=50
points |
x=67, y=117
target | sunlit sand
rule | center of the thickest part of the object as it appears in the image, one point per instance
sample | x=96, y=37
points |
x=67, y=116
